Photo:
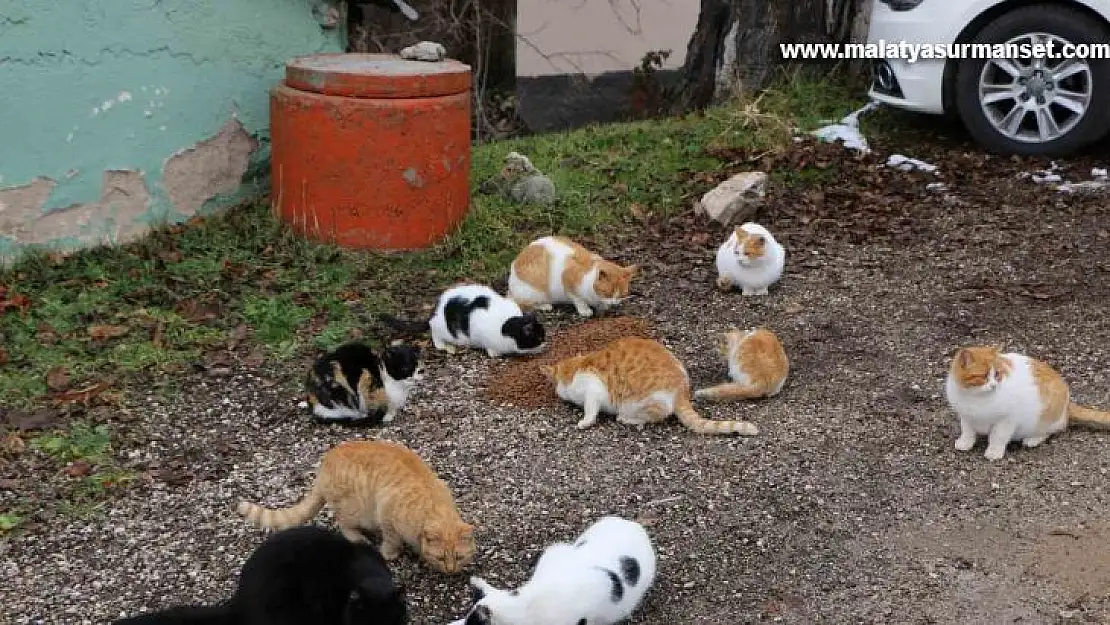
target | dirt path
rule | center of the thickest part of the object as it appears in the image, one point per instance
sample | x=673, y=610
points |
x=850, y=507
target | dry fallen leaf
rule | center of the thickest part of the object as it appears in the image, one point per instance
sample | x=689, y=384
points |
x=158, y=337
x=38, y=420
x=82, y=396
x=78, y=468
x=105, y=332
x=14, y=443
x=3, y=356
x=793, y=309
x=255, y=358
x=57, y=379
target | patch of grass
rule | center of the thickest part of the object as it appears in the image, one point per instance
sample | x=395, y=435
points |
x=185, y=289
x=10, y=521
x=83, y=441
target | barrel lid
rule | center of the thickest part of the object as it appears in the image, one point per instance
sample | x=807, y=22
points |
x=376, y=76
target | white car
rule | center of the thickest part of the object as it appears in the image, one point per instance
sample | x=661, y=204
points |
x=1043, y=106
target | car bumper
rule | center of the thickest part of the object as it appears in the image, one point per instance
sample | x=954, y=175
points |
x=917, y=85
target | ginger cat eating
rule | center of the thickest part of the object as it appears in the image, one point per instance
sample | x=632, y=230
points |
x=1011, y=397
x=556, y=270
x=757, y=365
x=640, y=381
x=382, y=486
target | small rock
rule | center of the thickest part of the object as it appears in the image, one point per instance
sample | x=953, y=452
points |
x=736, y=198
x=425, y=51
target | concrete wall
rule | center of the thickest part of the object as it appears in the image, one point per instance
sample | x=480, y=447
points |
x=597, y=36
x=575, y=57
x=119, y=114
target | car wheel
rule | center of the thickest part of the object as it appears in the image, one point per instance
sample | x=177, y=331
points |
x=1036, y=106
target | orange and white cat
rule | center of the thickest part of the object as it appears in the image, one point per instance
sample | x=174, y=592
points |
x=640, y=381
x=556, y=270
x=1011, y=397
x=757, y=365
x=385, y=487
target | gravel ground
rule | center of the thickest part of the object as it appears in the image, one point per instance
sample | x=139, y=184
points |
x=851, y=506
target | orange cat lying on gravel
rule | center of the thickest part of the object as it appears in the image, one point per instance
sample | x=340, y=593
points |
x=1011, y=397
x=757, y=364
x=638, y=380
x=382, y=486
x=556, y=270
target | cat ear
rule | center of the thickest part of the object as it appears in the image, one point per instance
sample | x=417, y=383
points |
x=632, y=269
x=548, y=371
x=739, y=232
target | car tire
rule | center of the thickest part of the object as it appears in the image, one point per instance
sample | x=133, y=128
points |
x=1069, y=24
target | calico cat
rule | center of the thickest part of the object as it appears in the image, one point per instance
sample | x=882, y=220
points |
x=1010, y=397
x=600, y=580
x=750, y=259
x=385, y=487
x=474, y=315
x=637, y=379
x=301, y=576
x=757, y=365
x=353, y=385
x=556, y=270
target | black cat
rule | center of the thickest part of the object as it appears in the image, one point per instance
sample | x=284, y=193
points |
x=305, y=575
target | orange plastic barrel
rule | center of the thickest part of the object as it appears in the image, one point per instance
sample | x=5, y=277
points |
x=371, y=151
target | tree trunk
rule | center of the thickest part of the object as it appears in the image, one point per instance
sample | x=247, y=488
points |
x=736, y=42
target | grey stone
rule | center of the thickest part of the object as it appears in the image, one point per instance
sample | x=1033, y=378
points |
x=737, y=198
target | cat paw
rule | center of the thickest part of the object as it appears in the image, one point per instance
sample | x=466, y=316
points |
x=585, y=311
x=444, y=347
x=493, y=353
x=965, y=443
x=994, y=453
x=389, y=416
x=724, y=284
x=544, y=307
x=1033, y=441
x=585, y=423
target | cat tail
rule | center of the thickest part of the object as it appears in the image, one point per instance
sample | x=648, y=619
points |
x=730, y=390
x=281, y=518
x=405, y=326
x=221, y=614
x=689, y=417
x=1089, y=417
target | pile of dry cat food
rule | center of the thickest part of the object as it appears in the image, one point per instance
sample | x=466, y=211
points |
x=518, y=382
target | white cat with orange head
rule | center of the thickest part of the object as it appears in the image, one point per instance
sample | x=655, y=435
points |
x=750, y=260
x=1011, y=397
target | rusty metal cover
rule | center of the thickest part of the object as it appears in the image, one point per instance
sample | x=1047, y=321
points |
x=376, y=76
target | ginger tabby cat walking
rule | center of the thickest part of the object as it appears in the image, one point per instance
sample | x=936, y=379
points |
x=556, y=270
x=1011, y=397
x=757, y=365
x=640, y=381
x=382, y=486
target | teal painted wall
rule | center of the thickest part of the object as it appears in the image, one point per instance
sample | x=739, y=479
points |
x=94, y=86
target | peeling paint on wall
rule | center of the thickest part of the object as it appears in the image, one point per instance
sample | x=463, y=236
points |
x=212, y=167
x=114, y=219
x=121, y=119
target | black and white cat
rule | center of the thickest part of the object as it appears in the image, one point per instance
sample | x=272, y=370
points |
x=352, y=384
x=474, y=315
x=599, y=580
x=305, y=575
